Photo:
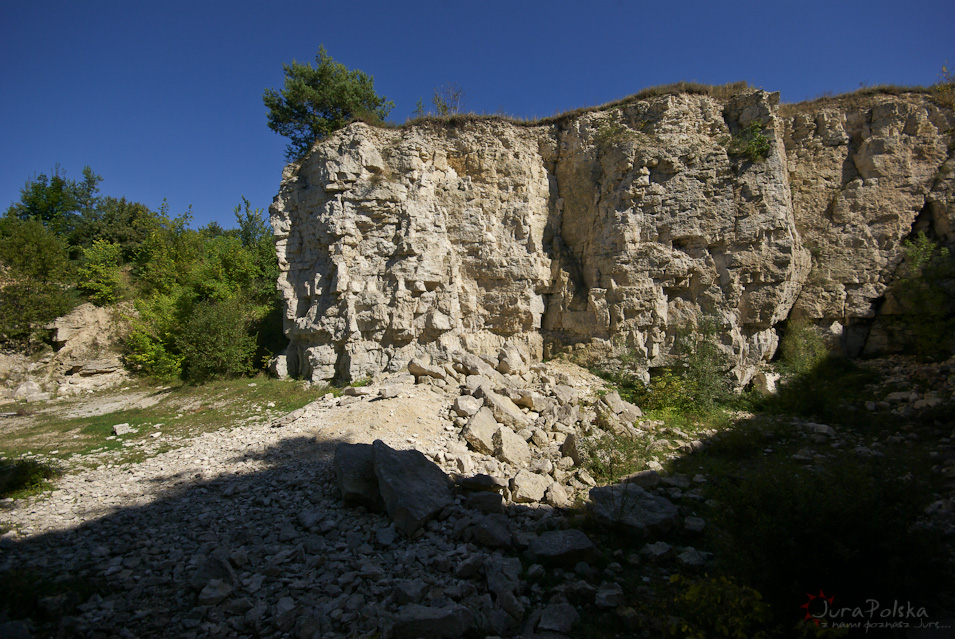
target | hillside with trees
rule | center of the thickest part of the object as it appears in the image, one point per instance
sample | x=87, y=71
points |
x=205, y=300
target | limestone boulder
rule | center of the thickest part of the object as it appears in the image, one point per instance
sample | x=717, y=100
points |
x=621, y=408
x=510, y=447
x=415, y=621
x=413, y=488
x=504, y=410
x=632, y=508
x=563, y=548
x=354, y=468
x=480, y=430
x=529, y=487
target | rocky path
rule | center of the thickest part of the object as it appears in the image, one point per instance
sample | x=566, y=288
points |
x=242, y=532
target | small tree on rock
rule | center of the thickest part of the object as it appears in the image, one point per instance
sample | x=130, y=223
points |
x=319, y=100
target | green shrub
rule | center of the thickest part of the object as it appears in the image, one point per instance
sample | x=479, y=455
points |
x=945, y=88
x=825, y=392
x=149, y=348
x=697, y=381
x=611, y=134
x=24, y=477
x=33, y=274
x=801, y=347
x=710, y=607
x=609, y=456
x=750, y=143
x=28, y=250
x=26, y=309
x=99, y=273
x=925, y=291
x=215, y=342
x=851, y=530
x=669, y=390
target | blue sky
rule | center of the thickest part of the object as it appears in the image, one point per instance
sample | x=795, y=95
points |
x=164, y=99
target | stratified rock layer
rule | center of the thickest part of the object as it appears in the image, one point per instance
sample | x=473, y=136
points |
x=614, y=229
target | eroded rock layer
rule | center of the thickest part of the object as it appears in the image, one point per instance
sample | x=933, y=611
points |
x=613, y=229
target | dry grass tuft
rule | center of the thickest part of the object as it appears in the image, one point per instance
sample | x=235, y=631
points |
x=719, y=92
x=854, y=99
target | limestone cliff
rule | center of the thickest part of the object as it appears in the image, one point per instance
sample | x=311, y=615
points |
x=606, y=230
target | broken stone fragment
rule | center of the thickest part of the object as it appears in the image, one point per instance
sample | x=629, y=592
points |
x=482, y=483
x=563, y=548
x=510, y=362
x=510, y=447
x=418, y=368
x=609, y=595
x=644, y=479
x=492, y=531
x=571, y=448
x=632, y=508
x=479, y=431
x=123, y=429
x=214, y=593
x=621, y=408
x=528, y=487
x=691, y=558
x=214, y=567
x=559, y=617
x=504, y=410
x=565, y=394
x=557, y=496
x=488, y=503
x=466, y=405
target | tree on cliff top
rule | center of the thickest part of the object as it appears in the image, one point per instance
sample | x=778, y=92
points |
x=319, y=100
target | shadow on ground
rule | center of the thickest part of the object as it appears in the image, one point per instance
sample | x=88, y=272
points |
x=132, y=571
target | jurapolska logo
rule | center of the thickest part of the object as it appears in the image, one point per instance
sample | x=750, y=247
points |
x=817, y=611
x=822, y=611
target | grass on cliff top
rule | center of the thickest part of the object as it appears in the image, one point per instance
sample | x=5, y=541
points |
x=48, y=434
x=720, y=92
x=857, y=98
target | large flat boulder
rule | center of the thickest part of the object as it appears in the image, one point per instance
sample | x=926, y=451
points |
x=413, y=488
x=414, y=621
x=355, y=471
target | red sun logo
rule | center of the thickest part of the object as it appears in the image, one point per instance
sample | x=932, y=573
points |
x=809, y=614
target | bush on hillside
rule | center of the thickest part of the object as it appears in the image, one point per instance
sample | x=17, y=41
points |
x=801, y=348
x=99, y=275
x=215, y=342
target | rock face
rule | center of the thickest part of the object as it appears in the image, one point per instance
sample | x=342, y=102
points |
x=612, y=228
x=88, y=357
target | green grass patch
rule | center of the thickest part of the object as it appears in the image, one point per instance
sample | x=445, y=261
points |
x=24, y=477
x=833, y=391
x=181, y=412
